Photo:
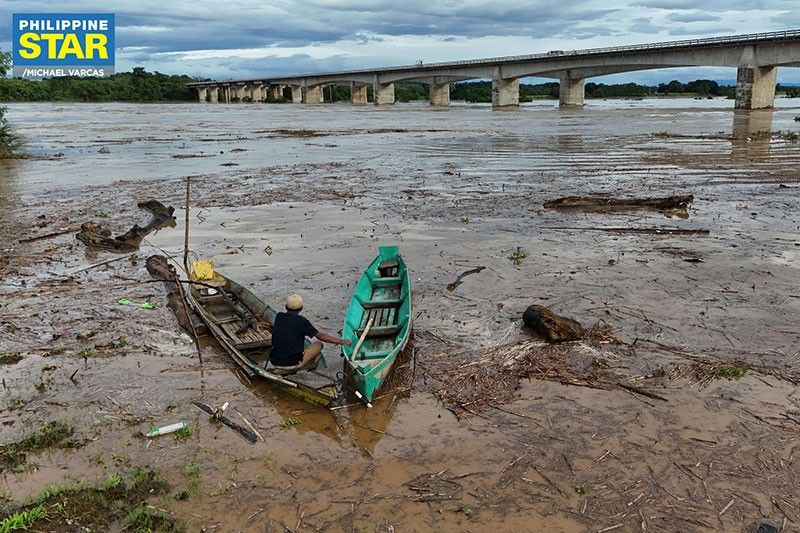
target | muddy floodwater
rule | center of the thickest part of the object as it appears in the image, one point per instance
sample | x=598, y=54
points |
x=678, y=412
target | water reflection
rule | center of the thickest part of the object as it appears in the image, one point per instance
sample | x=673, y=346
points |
x=752, y=132
x=368, y=425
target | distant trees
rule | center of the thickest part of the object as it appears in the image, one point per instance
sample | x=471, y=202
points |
x=698, y=87
x=481, y=91
x=135, y=86
x=789, y=90
x=10, y=142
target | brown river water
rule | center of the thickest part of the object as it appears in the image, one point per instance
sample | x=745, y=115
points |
x=297, y=199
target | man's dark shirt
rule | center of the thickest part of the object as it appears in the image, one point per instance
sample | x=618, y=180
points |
x=288, y=338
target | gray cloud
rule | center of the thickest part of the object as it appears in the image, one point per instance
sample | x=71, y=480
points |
x=693, y=16
x=318, y=35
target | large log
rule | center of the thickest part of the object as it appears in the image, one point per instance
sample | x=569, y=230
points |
x=607, y=203
x=551, y=326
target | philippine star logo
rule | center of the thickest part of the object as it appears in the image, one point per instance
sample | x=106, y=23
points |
x=46, y=45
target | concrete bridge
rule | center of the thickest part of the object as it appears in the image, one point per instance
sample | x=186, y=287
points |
x=755, y=56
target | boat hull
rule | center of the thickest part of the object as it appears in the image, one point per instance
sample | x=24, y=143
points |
x=250, y=350
x=380, y=310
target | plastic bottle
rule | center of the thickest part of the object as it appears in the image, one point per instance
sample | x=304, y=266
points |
x=172, y=428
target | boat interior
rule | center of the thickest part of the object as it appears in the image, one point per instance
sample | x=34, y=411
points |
x=383, y=308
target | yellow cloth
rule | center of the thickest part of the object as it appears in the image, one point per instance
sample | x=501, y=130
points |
x=203, y=269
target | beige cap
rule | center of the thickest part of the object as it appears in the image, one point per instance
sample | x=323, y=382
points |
x=294, y=302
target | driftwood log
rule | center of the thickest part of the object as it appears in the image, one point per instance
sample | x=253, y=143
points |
x=551, y=326
x=97, y=236
x=608, y=203
x=460, y=279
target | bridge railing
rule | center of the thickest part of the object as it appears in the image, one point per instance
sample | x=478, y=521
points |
x=664, y=45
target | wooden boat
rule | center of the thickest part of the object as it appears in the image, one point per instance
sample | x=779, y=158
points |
x=242, y=324
x=380, y=310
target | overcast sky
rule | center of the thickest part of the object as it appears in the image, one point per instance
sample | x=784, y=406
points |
x=248, y=38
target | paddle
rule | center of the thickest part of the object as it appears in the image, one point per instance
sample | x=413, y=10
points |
x=358, y=347
x=361, y=339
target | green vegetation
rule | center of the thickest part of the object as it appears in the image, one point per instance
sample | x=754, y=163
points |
x=481, y=91
x=147, y=519
x=23, y=520
x=518, y=256
x=16, y=401
x=135, y=86
x=789, y=91
x=183, y=434
x=81, y=507
x=580, y=489
x=10, y=142
x=289, y=421
x=54, y=435
x=732, y=372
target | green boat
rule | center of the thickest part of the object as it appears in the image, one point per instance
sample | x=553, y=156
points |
x=380, y=311
x=242, y=324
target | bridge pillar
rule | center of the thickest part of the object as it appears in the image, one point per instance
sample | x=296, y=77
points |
x=213, y=95
x=505, y=92
x=276, y=93
x=755, y=87
x=202, y=94
x=226, y=93
x=570, y=91
x=297, y=95
x=314, y=95
x=358, y=94
x=256, y=93
x=383, y=93
x=439, y=93
x=240, y=91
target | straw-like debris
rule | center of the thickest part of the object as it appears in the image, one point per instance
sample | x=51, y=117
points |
x=493, y=377
x=434, y=487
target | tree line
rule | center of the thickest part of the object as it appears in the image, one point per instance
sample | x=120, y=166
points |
x=135, y=86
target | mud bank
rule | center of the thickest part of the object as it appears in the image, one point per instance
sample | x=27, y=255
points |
x=708, y=324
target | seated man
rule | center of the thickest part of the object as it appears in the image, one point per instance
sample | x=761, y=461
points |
x=288, y=340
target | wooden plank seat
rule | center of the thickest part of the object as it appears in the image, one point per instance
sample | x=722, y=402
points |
x=373, y=355
x=379, y=331
x=389, y=268
x=378, y=304
x=387, y=282
x=251, y=338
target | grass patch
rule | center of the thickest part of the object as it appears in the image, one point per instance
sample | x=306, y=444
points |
x=732, y=372
x=23, y=519
x=183, y=434
x=518, y=256
x=192, y=472
x=55, y=434
x=117, y=501
x=146, y=518
x=191, y=469
x=16, y=401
